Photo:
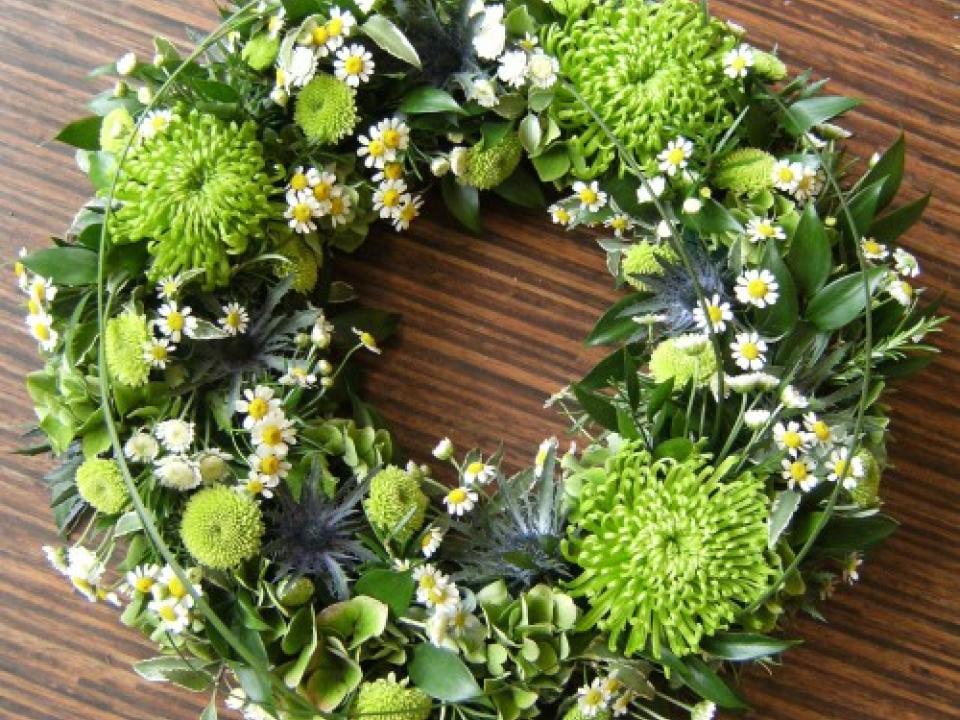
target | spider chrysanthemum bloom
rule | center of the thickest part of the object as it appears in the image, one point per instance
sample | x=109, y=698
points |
x=100, y=483
x=386, y=698
x=397, y=504
x=487, y=167
x=198, y=192
x=653, y=71
x=221, y=528
x=670, y=551
x=326, y=109
x=125, y=337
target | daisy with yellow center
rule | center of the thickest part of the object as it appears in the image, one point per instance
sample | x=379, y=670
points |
x=354, y=65
x=142, y=578
x=298, y=375
x=560, y=215
x=760, y=229
x=791, y=438
x=749, y=351
x=430, y=541
x=809, y=185
x=408, y=212
x=620, y=224
x=901, y=291
x=168, y=287
x=757, y=287
x=428, y=578
x=275, y=23
x=819, y=429
x=872, y=250
x=176, y=321
x=157, y=352
x=258, y=485
x=461, y=500
x=302, y=179
x=274, y=434
x=841, y=467
x=155, y=123
x=592, y=699
x=675, y=156
x=786, y=175
x=373, y=150
x=170, y=586
x=367, y=340
x=716, y=317
x=41, y=291
x=173, y=617
x=395, y=135
x=269, y=465
x=41, y=328
x=235, y=319
x=20, y=270
x=388, y=198
x=800, y=473
x=257, y=404
x=479, y=473
x=590, y=196
x=339, y=26
x=390, y=171
x=302, y=211
x=737, y=62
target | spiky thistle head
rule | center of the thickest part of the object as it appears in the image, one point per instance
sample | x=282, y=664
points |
x=670, y=551
x=221, y=528
x=197, y=192
x=652, y=71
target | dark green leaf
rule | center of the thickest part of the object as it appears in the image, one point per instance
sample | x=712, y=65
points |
x=441, y=674
x=740, y=647
x=905, y=367
x=699, y=677
x=64, y=265
x=428, y=99
x=598, y=407
x=210, y=712
x=552, y=164
x=784, y=506
x=810, y=258
x=217, y=91
x=389, y=37
x=782, y=317
x=522, y=189
x=394, y=589
x=889, y=170
x=677, y=448
x=712, y=218
x=894, y=224
x=863, y=207
x=463, y=202
x=842, y=300
x=616, y=323
x=804, y=114
x=847, y=534
x=83, y=134
x=604, y=373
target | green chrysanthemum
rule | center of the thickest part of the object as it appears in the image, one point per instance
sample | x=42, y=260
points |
x=326, y=109
x=396, y=498
x=116, y=129
x=390, y=699
x=100, y=483
x=651, y=70
x=671, y=551
x=768, y=66
x=745, y=170
x=125, y=336
x=221, y=528
x=302, y=265
x=485, y=168
x=670, y=359
x=643, y=258
x=197, y=192
x=260, y=51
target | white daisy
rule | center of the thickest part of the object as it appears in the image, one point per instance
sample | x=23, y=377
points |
x=809, y=185
x=512, y=68
x=443, y=598
x=126, y=64
x=755, y=419
x=41, y=291
x=176, y=435
x=41, y=328
x=478, y=473
x=302, y=67
x=257, y=404
x=653, y=188
x=322, y=186
x=590, y=196
x=274, y=433
x=675, y=156
x=749, y=351
x=354, y=65
x=483, y=91
x=786, y=175
x=620, y=223
x=427, y=578
x=737, y=62
x=872, y=250
x=169, y=585
x=430, y=541
x=178, y=472
x=793, y=398
x=757, y=287
x=444, y=449
x=799, y=472
x=142, y=578
x=408, y=211
x=176, y=321
x=168, y=287
x=542, y=70
x=791, y=438
x=841, y=466
x=901, y=291
x=339, y=27
x=395, y=134
x=155, y=123
x=818, y=429
x=372, y=150
x=141, y=447
x=760, y=229
x=717, y=316
x=461, y=500
x=256, y=485
x=592, y=698
x=173, y=616
x=298, y=375
x=302, y=211
x=235, y=319
x=275, y=23
x=491, y=36
x=388, y=198
x=905, y=263
x=367, y=340
x=560, y=215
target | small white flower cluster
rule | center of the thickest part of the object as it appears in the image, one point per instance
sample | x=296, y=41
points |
x=604, y=695
x=451, y=616
x=40, y=293
x=83, y=567
x=182, y=469
x=383, y=149
x=313, y=194
x=271, y=435
x=800, y=179
x=171, y=600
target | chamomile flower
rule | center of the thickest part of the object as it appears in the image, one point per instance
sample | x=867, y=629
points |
x=749, y=351
x=169, y=287
x=793, y=398
x=791, y=438
x=592, y=698
x=809, y=185
x=560, y=215
x=756, y=418
x=235, y=319
x=620, y=223
x=737, y=62
x=274, y=433
x=430, y=541
x=141, y=447
x=367, y=340
x=178, y=472
x=590, y=196
x=653, y=188
x=339, y=26
x=542, y=70
x=840, y=466
x=276, y=21
x=427, y=578
x=395, y=135
x=57, y=558
x=483, y=91
x=760, y=229
x=85, y=570
x=905, y=263
x=443, y=598
x=302, y=211
x=155, y=122
x=41, y=328
x=41, y=291
x=142, y=578
x=873, y=250
x=757, y=287
x=675, y=156
x=175, y=435
x=621, y=706
x=298, y=375
x=157, y=351
x=491, y=36
x=512, y=68
x=257, y=404
x=799, y=472
x=322, y=186
x=321, y=331
x=176, y=321
x=126, y=64
x=478, y=473
x=461, y=500
x=373, y=151
x=173, y=616
x=20, y=270
x=901, y=291
x=301, y=68
x=408, y=211
x=169, y=585
x=716, y=317
x=256, y=485
x=786, y=175
x=389, y=171
x=354, y=65
x=820, y=431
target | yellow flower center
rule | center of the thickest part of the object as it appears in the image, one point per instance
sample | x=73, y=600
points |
x=175, y=320
x=353, y=65
x=258, y=408
x=302, y=212
x=336, y=206
x=19, y=269
x=798, y=470
x=281, y=76
x=335, y=26
x=821, y=430
x=34, y=306
x=457, y=496
x=428, y=581
x=299, y=181
x=906, y=288
x=593, y=697
x=158, y=352
x=840, y=468
x=792, y=439
x=588, y=196
x=714, y=313
x=391, y=138
x=766, y=230
x=872, y=247
x=367, y=339
x=143, y=584
x=376, y=148
x=785, y=174
x=619, y=223
x=675, y=156
x=750, y=351
x=437, y=595
x=322, y=191
x=426, y=540
x=757, y=288
x=255, y=486
x=562, y=216
x=176, y=588
x=319, y=35
x=393, y=171
x=42, y=331
x=166, y=612
x=169, y=288
x=270, y=465
x=272, y=435
x=233, y=319
x=391, y=198
x=475, y=468
x=739, y=63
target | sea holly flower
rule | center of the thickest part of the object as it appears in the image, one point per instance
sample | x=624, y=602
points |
x=757, y=287
x=749, y=351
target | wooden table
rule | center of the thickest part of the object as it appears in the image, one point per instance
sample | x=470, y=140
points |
x=492, y=326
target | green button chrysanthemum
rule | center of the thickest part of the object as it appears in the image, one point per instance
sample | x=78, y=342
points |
x=326, y=109
x=652, y=71
x=671, y=551
x=198, y=192
x=125, y=337
x=396, y=503
x=116, y=129
x=221, y=528
x=390, y=699
x=303, y=265
x=487, y=167
x=745, y=170
x=100, y=483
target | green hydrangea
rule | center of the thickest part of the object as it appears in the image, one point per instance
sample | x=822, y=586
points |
x=651, y=70
x=326, y=109
x=260, y=51
x=125, y=336
x=670, y=359
x=197, y=192
x=390, y=699
x=395, y=498
x=745, y=170
x=221, y=528
x=115, y=130
x=487, y=167
x=643, y=258
x=303, y=265
x=671, y=551
x=100, y=483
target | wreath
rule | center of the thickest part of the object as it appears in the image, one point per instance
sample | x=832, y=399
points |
x=221, y=479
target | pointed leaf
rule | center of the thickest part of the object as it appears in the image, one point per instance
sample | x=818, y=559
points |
x=782, y=317
x=741, y=647
x=389, y=37
x=426, y=99
x=842, y=300
x=863, y=207
x=83, y=134
x=804, y=114
x=598, y=407
x=889, y=169
x=810, y=258
x=462, y=201
x=784, y=506
x=441, y=674
x=894, y=224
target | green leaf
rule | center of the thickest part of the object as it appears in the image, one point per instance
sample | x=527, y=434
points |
x=552, y=164
x=598, y=407
x=699, y=677
x=782, y=317
x=389, y=37
x=355, y=620
x=336, y=676
x=462, y=201
x=441, y=674
x=810, y=258
x=712, y=218
x=847, y=534
x=741, y=647
x=394, y=589
x=895, y=223
x=606, y=372
x=616, y=323
x=101, y=167
x=522, y=189
x=83, y=134
x=785, y=504
x=676, y=448
x=64, y=265
x=216, y=91
x=297, y=10
x=804, y=114
x=428, y=99
x=191, y=676
x=888, y=170
x=530, y=133
x=842, y=300
x=863, y=207
x=210, y=711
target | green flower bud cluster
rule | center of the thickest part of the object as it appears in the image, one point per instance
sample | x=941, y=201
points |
x=100, y=483
x=125, y=337
x=487, y=167
x=396, y=505
x=221, y=528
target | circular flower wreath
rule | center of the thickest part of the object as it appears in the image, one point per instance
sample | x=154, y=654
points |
x=223, y=483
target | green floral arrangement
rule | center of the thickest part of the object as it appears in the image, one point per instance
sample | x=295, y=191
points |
x=221, y=480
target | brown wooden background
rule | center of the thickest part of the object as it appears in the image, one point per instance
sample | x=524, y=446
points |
x=492, y=326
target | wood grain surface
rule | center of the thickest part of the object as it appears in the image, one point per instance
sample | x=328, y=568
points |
x=493, y=325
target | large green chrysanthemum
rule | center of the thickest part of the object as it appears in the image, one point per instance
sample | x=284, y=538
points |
x=670, y=551
x=198, y=192
x=221, y=528
x=651, y=70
